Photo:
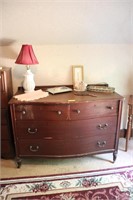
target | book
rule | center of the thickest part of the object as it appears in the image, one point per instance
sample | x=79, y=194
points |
x=60, y=89
x=105, y=89
x=103, y=84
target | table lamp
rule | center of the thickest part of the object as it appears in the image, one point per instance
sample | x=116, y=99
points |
x=27, y=57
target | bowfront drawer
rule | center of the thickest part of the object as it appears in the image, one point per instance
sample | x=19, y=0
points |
x=93, y=109
x=41, y=112
x=79, y=146
x=61, y=130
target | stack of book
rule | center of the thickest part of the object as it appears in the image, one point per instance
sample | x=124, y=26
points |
x=100, y=87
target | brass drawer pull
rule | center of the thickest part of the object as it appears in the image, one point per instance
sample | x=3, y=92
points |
x=78, y=111
x=110, y=107
x=34, y=149
x=104, y=126
x=23, y=112
x=101, y=144
x=59, y=112
x=32, y=131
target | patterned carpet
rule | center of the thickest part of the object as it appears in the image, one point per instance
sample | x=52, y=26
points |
x=109, y=184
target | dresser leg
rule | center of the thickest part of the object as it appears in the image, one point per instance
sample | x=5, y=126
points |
x=18, y=162
x=114, y=156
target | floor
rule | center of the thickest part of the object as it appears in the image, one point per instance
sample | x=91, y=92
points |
x=35, y=167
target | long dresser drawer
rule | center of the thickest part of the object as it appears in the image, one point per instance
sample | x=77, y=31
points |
x=65, y=147
x=71, y=129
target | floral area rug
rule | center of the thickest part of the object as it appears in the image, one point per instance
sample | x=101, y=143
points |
x=107, y=184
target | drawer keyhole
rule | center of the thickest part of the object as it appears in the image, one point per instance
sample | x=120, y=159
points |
x=34, y=149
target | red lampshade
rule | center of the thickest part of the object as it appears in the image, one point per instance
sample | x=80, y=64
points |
x=26, y=56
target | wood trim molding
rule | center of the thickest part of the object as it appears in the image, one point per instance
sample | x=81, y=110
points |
x=123, y=132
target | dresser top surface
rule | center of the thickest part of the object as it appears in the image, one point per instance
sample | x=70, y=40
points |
x=69, y=97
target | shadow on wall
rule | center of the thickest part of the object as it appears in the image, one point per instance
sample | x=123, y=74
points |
x=9, y=52
x=130, y=83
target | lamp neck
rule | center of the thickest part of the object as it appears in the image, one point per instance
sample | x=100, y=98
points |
x=27, y=67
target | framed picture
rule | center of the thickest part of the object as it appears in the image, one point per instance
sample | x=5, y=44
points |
x=77, y=74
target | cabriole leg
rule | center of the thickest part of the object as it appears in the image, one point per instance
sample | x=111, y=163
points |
x=18, y=162
x=114, y=156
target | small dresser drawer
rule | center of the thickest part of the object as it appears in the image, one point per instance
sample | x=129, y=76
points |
x=38, y=112
x=93, y=109
x=65, y=147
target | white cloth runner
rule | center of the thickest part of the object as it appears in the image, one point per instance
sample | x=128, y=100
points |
x=37, y=94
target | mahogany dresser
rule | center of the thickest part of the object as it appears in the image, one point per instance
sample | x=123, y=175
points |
x=7, y=147
x=66, y=125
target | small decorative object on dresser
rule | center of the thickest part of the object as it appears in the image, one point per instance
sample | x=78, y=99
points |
x=77, y=75
x=7, y=145
x=66, y=125
x=27, y=57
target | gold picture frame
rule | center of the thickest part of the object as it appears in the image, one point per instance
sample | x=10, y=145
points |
x=77, y=74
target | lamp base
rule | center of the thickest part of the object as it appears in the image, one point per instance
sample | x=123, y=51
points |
x=28, y=83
